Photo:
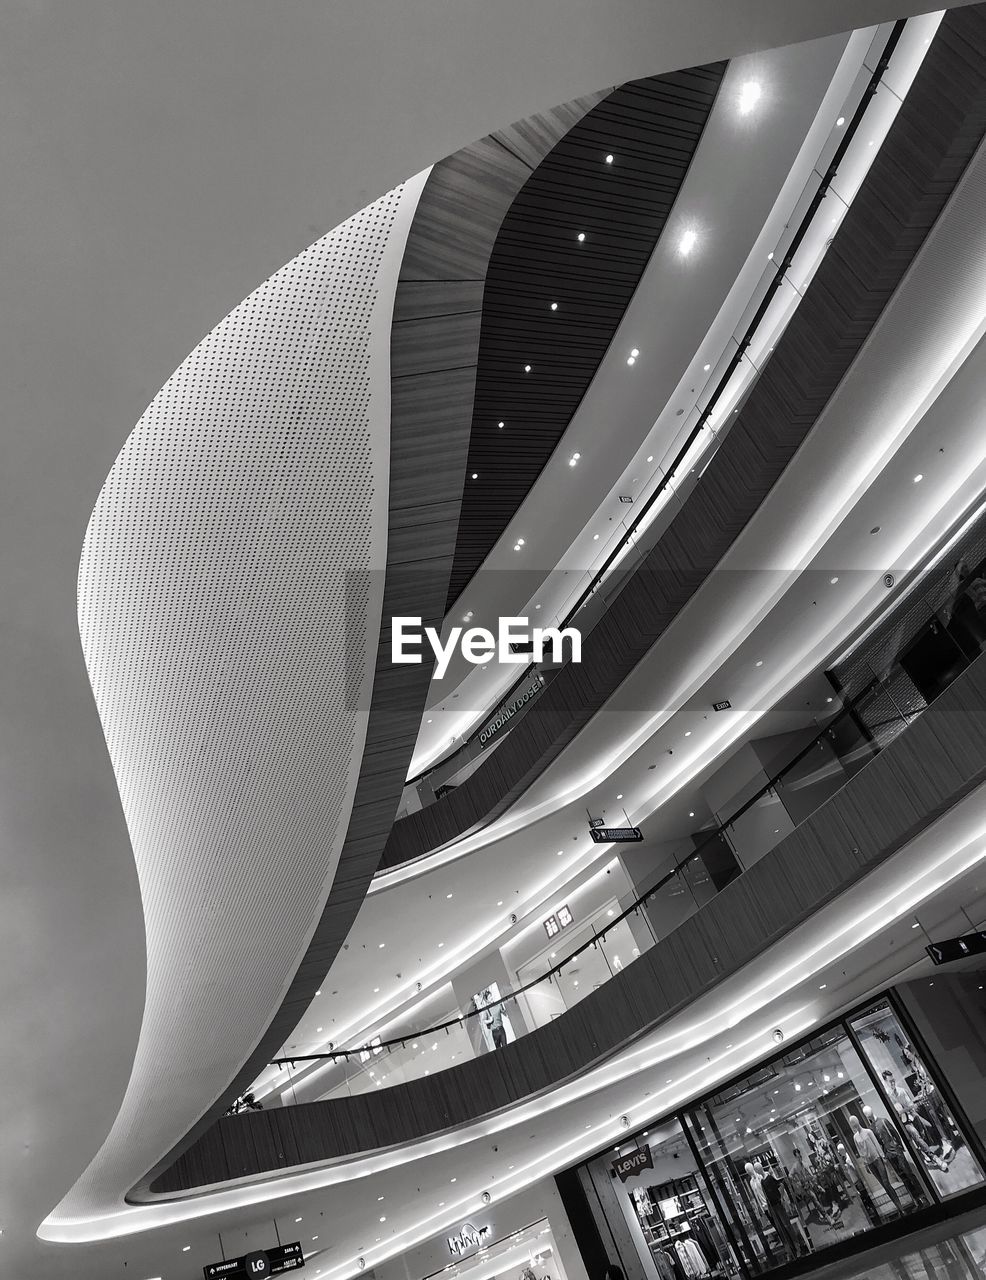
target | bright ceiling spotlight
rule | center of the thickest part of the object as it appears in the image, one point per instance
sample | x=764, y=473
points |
x=520, y=542
x=527, y=368
x=609, y=159
x=475, y=475
x=918, y=478
x=840, y=122
x=501, y=425
x=687, y=243
x=573, y=460
x=706, y=367
x=554, y=306
x=631, y=359
x=749, y=96
x=581, y=237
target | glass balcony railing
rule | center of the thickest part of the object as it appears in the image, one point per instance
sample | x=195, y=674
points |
x=440, y=1033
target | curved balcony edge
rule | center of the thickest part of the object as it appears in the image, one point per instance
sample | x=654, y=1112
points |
x=928, y=769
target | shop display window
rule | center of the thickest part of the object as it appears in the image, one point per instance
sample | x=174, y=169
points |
x=807, y=1152
x=916, y=1102
x=527, y=1254
x=662, y=1192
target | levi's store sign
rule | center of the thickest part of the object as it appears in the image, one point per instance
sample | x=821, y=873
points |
x=258, y=1264
x=628, y=1166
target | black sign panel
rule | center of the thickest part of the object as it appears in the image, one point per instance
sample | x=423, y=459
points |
x=258, y=1264
x=610, y=835
x=629, y=1165
x=724, y=705
x=970, y=944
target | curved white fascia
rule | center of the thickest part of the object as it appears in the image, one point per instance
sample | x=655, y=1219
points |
x=230, y=592
x=943, y=853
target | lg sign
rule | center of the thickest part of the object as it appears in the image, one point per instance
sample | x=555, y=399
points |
x=514, y=643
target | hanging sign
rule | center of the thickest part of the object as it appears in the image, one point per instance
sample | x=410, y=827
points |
x=258, y=1264
x=632, y=1164
x=970, y=944
x=611, y=835
x=724, y=705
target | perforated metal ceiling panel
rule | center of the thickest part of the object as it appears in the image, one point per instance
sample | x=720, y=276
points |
x=229, y=608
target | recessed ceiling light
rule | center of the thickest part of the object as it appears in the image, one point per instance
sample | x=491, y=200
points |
x=688, y=733
x=620, y=796
x=610, y=912
x=559, y=853
x=916, y=925
x=822, y=988
x=833, y=581
x=527, y=368
x=760, y=662
x=581, y=237
x=595, y=537
x=297, y=1219
x=749, y=96
x=770, y=257
x=631, y=359
x=501, y=425
x=429, y=721
x=185, y=1248
x=381, y=945
x=691, y=813
x=918, y=478
x=383, y=1218
x=554, y=306
x=500, y=903
x=634, y=352
x=451, y=1179
x=441, y=944
x=650, y=457
x=520, y=542
x=448, y=897
x=475, y=475
x=687, y=242
x=319, y=991
x=609, y=159
x=376, y=991
x=840, y=122
x=573, y=460
x=318, y=1029
x=828, y=699
x=706, y=367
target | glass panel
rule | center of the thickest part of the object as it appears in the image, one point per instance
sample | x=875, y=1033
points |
x=807, y=1152
x=671, y=1216
x=917, y=1102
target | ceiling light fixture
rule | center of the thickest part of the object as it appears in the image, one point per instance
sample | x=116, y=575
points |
x=687, y=243
x=554, y=306
x=527, y=368
x=631, y=359
x=833, y=581
x=650, y=457
x=749, y=96
x=581, y=237
x=840, y=122
x=770, y=256
x=381, y=945
x=501, y=425
x=691, y=813
x=475, y=475
x=918, y=478
x=595, y=537
x=706, y=367
x=609, y=159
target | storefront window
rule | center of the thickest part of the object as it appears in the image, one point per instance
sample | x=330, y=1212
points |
x=916, y=1102
x=667, y=1204
x=807, y=1153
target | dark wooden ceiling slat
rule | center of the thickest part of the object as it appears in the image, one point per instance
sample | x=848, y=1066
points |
x=652, y=128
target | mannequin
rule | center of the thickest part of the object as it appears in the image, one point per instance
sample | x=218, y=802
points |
x=872, y=1156
x=859, y=1186
x=774, y=1195
x=889, y=1139
x=928, y=1101
x=755, y=1182
x=909, y=1120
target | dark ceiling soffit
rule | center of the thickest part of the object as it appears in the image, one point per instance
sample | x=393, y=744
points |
x=879, y=811
x=937, y=130
x=434, y=348
x=651, y=128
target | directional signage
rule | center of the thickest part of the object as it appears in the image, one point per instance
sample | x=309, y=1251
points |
x=610, y=835
x=724, y=705
x=258, y=1264
x=970, y=944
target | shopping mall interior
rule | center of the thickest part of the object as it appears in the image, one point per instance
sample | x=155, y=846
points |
x=493, y=761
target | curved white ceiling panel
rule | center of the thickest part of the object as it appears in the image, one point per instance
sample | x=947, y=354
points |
x=229, y=602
